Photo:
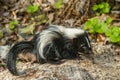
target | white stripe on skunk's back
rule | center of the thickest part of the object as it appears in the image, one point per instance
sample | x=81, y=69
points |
x=73, y=32
x=46, y=37
x=70, y=32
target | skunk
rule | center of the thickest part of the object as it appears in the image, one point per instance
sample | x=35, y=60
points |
x=51, y=44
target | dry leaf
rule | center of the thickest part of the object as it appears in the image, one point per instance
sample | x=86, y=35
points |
x=100, y=38
x=118, y=51
x=29, y=29
x=51, y=18
x=39, y=28
x=27, y=57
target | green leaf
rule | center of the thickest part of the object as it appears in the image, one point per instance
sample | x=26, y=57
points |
x=97, y=28
x=104, y=27
x=95, y=7
x=108, y=32
x=12, y=24
x=103, y=7
x=28, y=29
x=97, y=14
x=91, y=25
x=108, y=20
x=115, y=34
x=116, y=31
x=58, y=4
x=105, y=10
x=32, y=8
x=88, y=25
x=101, y=27
x=100, y=6
x=115, y=38
x=106, y=4
x=92, y=31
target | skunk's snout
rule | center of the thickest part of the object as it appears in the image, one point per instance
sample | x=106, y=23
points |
x=89, y=51
x=85, y=49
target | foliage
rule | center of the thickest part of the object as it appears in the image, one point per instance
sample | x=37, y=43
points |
x=114, y=34
x=40, y=19
x=58, y=4
x=103, y=7
x=32, y=8
x=94, y=25
x=28, y=29
x=12, y=24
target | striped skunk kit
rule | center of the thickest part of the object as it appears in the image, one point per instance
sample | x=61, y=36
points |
x=51, y=44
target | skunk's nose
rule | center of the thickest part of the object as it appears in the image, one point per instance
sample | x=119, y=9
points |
x=89, y=50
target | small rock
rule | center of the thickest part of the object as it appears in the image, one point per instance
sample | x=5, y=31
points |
x=3, y=51
x=6, y=14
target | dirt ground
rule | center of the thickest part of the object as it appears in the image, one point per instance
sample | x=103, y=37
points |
x=104, y=64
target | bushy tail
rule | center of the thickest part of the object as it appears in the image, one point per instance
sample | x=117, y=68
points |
x=13, y=53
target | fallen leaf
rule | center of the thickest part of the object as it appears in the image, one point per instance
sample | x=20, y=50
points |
x=118, y=51
x=51, y=18
x=46, y=9
x=100, y=38
x=52, y=1
x=27, y=57
x=20, y=38
x=28, y=29
x=39, y=28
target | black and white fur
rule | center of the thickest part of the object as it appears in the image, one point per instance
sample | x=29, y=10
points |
x=51, y=44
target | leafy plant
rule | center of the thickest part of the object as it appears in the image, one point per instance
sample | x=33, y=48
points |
x=103, y=7
x=108, y=20
x=12, y=24
x=58, y=4
x=32, y=8
x=115, y=34
x=94, y=25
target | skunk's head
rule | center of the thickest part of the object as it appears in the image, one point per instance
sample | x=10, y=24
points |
x=77, y=40
x=82, y=43
x=79, y=37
